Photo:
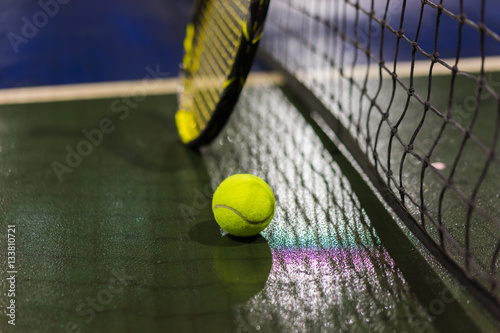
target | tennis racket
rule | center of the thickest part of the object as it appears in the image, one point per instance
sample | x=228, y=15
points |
x=219, y=49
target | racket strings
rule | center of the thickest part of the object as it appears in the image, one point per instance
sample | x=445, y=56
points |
x=215, y=45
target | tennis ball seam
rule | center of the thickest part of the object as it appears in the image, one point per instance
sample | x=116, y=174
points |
x=243, y=217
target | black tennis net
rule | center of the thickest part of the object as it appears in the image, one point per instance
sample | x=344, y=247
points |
x=413, y=88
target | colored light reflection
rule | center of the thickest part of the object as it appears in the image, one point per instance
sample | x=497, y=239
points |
x=330, y=271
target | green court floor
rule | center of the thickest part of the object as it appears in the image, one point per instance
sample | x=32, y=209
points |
x=114, y=229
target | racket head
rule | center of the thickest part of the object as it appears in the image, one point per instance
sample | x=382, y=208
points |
x=219, y=50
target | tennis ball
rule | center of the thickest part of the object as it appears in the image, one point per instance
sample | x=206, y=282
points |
x=243, y=205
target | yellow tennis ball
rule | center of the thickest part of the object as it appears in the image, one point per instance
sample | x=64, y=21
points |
x=243, y=205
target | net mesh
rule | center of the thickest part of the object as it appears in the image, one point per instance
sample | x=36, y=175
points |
x=415, y=84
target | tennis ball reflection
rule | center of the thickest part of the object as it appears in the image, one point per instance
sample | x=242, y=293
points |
x=242, y=266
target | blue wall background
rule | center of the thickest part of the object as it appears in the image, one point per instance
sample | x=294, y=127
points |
x=89, y=41
x=44, y=42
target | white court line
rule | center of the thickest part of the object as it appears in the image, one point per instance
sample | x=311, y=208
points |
x=403, y=69
x=100, y=90
x=422, y=67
